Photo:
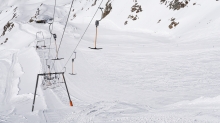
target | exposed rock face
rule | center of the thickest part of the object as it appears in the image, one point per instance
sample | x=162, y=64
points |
x=173, y=23
x=175, y=4
x=7, y=27
x=136, y=8
x=108, y=8
x=94, y=3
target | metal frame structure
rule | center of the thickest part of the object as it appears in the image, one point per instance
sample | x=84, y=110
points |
x=44, y=74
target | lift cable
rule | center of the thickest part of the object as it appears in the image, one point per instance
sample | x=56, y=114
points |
x=83, y=35
x=64, y=28
x=54, y=10
x=63, y=33
x=52, y=28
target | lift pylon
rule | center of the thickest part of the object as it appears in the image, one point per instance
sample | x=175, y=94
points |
x=46, y=74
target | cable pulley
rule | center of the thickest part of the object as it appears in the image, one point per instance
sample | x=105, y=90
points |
x=40, y=39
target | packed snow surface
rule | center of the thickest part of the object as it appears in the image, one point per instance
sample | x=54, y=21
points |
x=157, y=64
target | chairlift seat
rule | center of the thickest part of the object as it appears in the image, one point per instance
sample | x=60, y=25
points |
x=95, y=48
x=58, y=59
x=72, y=73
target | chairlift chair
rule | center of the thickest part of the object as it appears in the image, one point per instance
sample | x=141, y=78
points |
x=55, y=37
x=41, y=41
x=97, y=24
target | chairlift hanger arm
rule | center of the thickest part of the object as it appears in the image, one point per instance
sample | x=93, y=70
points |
x=97, y=21
x=102, y=13
x=54, y=35
x=50, y=29
x=74, y=57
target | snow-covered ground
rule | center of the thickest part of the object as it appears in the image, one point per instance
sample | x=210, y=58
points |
x=145, y=73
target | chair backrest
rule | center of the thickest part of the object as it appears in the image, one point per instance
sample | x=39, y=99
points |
x=39, y=35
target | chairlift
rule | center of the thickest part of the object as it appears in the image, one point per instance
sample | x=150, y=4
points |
x=72, y=65
x=97, y=24
x=55, y=38
x=40, y=39
x=40, y=32
x=39, y=42
x=54, y=35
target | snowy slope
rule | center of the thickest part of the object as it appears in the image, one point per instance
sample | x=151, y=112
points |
x=146, y=71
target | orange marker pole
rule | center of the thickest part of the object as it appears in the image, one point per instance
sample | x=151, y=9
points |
x=71, y=103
